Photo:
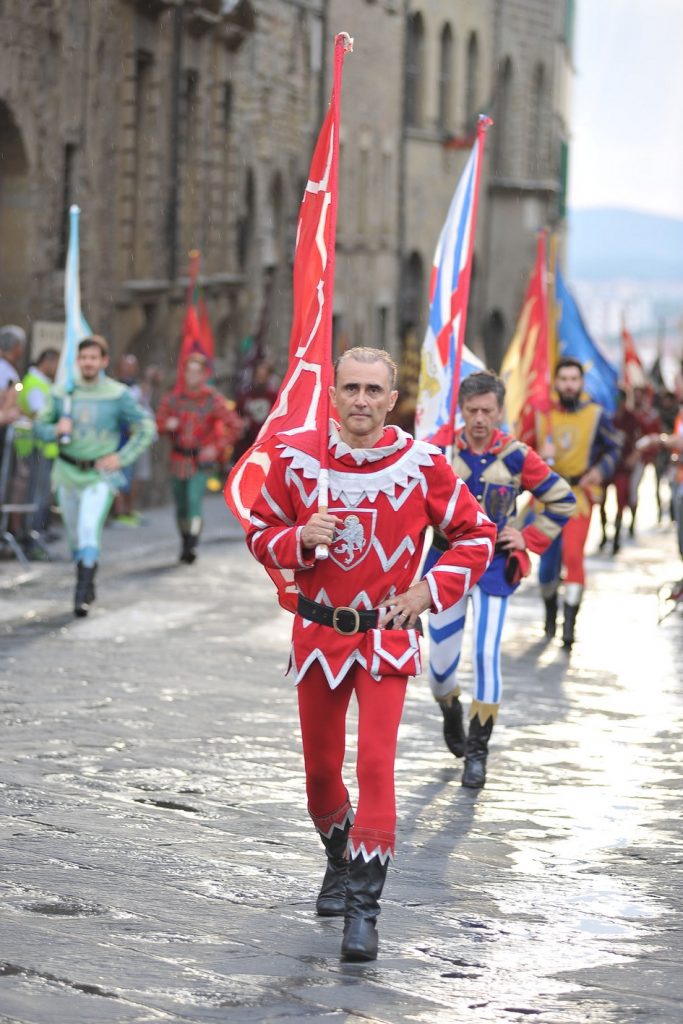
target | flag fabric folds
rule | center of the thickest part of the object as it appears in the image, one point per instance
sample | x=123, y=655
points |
x=575, y=341
x=302, y=404
x=442, y=349
x=77, y=326
x=525, y=369
x=197, y=336
x=632, y=374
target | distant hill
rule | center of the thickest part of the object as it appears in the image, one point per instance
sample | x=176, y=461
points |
x=612, y=244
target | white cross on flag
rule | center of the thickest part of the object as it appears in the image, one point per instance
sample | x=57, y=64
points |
x=302, y=402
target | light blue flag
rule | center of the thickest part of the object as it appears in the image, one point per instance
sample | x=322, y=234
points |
x=574, y=340
x=77, y=326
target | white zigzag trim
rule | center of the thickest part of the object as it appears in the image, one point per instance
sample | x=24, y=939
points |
x=349, y=819
x=275, y=508
x=387, y=563
x=361, y=455
x=412, y=652
x=332, y=681
x=351, y=488
x=292, y=478
x=376, y=851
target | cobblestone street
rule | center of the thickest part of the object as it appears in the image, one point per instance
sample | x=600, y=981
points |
x=159, y=865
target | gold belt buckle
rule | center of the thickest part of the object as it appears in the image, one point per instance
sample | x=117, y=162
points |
x=335, y=625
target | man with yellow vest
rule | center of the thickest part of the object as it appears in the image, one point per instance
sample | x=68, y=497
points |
x=579, y=439
x=34, y=457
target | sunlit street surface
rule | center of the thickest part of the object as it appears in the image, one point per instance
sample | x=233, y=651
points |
x=158, y=863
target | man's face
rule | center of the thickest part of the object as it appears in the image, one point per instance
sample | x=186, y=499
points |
x=91, y=362
x=482, y=416
x=362, y=395
x=49, y=367
x=569, y=383
x=194, y=375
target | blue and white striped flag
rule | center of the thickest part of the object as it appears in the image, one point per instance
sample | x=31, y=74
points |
x=442, y=350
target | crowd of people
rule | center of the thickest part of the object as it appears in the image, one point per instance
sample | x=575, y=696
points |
x=90, y=449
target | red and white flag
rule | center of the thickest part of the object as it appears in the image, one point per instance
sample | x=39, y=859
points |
x=633, y=374
x=302, y=404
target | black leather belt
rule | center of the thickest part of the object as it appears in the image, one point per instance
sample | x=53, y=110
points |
x=344, y=620
x=82, y=464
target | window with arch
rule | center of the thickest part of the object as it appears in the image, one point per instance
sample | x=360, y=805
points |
x=537, y=124
x=414, y=70
x=445, y=109
x=503, y=134
x=472, y=81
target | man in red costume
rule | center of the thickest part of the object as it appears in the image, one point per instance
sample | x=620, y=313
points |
x=356, y=628
x=199, y=424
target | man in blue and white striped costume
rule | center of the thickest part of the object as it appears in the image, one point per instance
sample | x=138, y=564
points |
x=496, y=468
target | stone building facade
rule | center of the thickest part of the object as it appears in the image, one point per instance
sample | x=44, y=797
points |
x=509, y=59
x=182, y=124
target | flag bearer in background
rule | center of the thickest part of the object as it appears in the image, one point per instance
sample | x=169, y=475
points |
x=87, y=470
x=630, y=428
x=199, y=424
x=356, y=623
x=584, y=445
x=650, y=423
x=497, y=469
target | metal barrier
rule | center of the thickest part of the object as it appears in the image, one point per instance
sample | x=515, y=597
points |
x=37, y=481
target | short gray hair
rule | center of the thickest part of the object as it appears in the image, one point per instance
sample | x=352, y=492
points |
x=485, y=382
x=10, y=336
x=368, y=355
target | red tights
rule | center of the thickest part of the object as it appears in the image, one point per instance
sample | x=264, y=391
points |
x=322, y=713
x=573, y=542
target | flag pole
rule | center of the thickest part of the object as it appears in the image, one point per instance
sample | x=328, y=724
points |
x=484, y=122
x=343, y=44
x=548, y=281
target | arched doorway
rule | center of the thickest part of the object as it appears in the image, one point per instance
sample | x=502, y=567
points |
x=15, y=213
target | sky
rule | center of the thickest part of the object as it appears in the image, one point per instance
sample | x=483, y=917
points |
x=627, y=106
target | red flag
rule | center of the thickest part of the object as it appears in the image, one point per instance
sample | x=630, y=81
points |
x=302, y=404
x=197, y=336
x=633, y=374
x=525, y=369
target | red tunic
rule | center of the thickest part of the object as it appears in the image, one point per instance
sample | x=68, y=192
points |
x=387, y=496
x=206, y=419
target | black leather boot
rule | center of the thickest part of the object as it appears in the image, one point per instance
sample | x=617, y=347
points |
x=85, y=576
x=188, y=553
x=474, y=772
x=90, y=595
x=453, y=727
x=364, y=888
x=550, y=615
x=569, y=625
x=331, y=900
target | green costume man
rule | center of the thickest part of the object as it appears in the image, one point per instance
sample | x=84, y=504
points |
x=87, y=470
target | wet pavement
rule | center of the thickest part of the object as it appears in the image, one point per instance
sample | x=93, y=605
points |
x=158, y=863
